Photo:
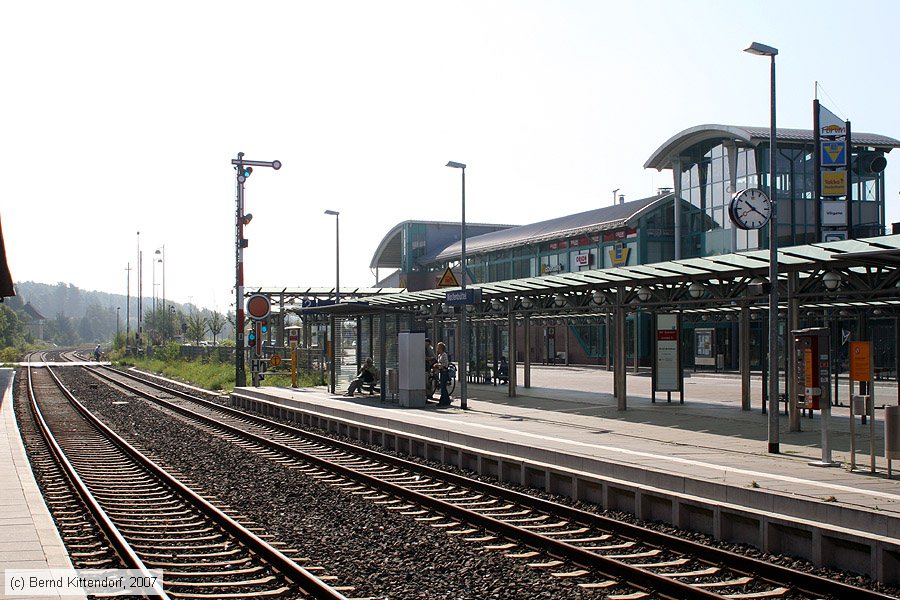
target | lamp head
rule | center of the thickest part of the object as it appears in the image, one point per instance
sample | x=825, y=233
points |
x=761, y=49
x=332, y=212
x=831, y=280
x=456, y=165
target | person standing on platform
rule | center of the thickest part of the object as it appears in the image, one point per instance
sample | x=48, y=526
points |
x=442, y=364
x=430, y=358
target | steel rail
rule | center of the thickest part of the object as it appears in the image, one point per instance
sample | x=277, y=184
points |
x=118, y=541
x=630, y=575
x=811, y=584
x=308, y=582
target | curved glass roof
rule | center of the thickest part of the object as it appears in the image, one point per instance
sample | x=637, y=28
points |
x=663, y=156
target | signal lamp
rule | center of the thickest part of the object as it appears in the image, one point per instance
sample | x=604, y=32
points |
x=244, y=173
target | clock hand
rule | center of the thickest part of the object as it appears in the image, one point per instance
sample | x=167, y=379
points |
x=754, y=209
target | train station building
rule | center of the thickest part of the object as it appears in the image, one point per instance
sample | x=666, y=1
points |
x=687, y=220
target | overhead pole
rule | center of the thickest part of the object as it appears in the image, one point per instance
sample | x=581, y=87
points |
x=764, y=50
x=243, y=170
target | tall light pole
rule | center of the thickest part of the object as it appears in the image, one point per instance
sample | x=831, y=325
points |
x=118, y=308
x=463, y=314
x=337, y=254
x=243, y=169
x=763, y=50
x=153, y=300
x=162, y=253
x=337, y=294
x=127, y=305
x=140, y=293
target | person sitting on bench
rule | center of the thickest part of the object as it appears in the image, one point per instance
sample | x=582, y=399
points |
x=503, y=371
x=368, y=376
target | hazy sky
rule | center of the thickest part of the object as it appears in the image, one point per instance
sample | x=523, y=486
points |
x=120, y=117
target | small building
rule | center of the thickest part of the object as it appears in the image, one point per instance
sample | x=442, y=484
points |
x=34, y=321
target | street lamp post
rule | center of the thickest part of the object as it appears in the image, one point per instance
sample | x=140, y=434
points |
x=127, y=305
x=243, y=170
x=162, y=259
x=463, y=314
x=763, y=50
x=337, y=294
x=118, y=308
x=337, y=254
x=140, y=293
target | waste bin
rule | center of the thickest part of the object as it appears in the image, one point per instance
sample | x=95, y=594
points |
x=393, y=383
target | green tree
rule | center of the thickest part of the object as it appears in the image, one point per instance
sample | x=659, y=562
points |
x=216, y=324
x=61, y=331
x=196, y=327
x=12, y=330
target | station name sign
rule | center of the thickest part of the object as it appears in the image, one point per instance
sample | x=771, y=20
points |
x=463, y=297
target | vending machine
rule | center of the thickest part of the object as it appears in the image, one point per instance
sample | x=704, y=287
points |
x=813, y=367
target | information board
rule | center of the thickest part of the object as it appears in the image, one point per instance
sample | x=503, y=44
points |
x=668, y=376
x=860, y=361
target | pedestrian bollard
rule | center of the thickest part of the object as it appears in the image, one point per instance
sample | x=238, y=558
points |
x=857, y=407
x=891, y=434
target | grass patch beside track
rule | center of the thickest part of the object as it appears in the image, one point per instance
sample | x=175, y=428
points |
x=210, y=374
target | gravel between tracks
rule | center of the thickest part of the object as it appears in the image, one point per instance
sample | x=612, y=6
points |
x=381, y=553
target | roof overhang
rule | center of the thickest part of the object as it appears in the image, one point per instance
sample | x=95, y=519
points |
x=666, y=155
x=354, y=309
x=663, y=157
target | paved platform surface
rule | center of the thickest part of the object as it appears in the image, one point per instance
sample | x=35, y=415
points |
x=709, y=438
x=28, y=536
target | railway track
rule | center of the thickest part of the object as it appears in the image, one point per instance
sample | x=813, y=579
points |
x=150, y=520
x=617, y=559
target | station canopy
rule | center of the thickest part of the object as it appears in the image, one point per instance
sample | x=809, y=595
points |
x=868, y=272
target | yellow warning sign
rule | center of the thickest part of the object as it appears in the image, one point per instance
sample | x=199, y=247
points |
x=448, y=279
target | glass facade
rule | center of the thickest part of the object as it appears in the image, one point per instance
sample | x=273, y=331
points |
x=714, y=170
x=709, y=173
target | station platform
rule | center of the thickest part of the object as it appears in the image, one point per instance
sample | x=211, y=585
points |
x=28, y=536
x=703, y=465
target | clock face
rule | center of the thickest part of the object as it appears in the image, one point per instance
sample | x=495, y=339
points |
x=750, y=209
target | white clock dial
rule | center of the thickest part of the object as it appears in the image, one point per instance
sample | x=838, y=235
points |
x=750, y=209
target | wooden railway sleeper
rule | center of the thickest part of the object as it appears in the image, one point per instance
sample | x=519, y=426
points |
x=278, y=592
x=199, y=565
x=220, y=583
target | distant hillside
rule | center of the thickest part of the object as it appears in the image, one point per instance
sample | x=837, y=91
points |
x=77, y=316
x=65, y=298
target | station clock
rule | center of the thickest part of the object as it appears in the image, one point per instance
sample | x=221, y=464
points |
x=750, y=209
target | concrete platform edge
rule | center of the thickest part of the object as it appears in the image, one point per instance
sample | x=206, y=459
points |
x=842, y=537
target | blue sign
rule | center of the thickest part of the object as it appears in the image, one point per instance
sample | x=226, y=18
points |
x=463, y=297
x=834, y=153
